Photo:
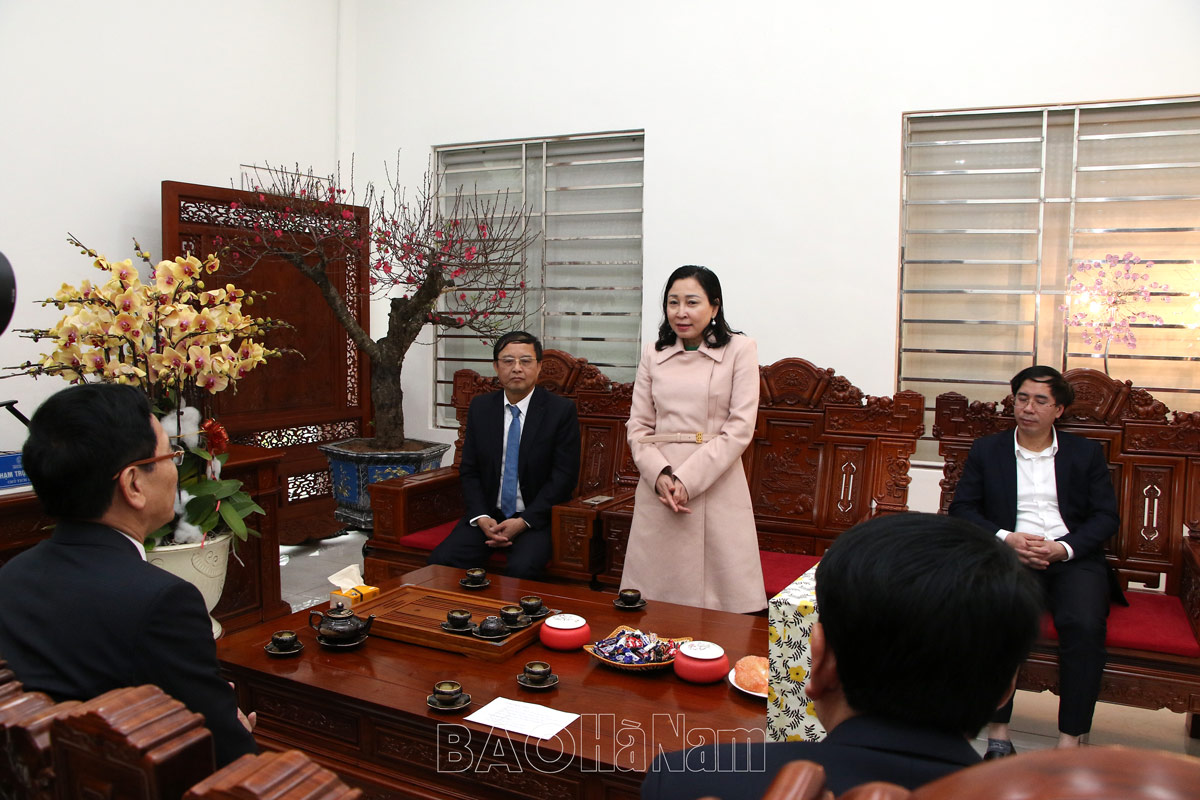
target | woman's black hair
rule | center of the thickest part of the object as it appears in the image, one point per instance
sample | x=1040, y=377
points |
x=716, y=334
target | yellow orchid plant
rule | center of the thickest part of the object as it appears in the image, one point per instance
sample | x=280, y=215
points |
x=177, y=339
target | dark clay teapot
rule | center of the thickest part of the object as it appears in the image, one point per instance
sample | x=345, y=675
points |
x=339, y=624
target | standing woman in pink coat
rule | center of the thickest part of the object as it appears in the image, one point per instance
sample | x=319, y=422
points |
x=695, y=401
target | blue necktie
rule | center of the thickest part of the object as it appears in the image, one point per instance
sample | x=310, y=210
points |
x=508, y=481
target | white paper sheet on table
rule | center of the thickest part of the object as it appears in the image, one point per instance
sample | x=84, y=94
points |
x=527, y=718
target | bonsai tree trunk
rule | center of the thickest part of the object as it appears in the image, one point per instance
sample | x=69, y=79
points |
x=388, y=398
x=406, y=318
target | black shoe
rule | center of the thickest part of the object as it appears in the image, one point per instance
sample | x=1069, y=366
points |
x=999, y=748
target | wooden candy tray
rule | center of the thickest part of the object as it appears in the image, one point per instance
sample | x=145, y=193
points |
x=415, y=614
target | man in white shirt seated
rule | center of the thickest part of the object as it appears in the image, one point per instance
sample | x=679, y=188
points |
x=1049, y=496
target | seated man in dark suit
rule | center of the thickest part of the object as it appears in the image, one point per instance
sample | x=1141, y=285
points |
x=83, y=612
x=520, y=458
x=1049, y=496
x=923, y=623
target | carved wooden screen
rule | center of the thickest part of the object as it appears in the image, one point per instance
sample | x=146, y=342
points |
x=293, y=403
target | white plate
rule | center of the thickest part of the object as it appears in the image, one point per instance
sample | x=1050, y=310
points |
x=740, y=689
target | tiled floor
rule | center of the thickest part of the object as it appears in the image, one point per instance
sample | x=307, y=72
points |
x=304, y=568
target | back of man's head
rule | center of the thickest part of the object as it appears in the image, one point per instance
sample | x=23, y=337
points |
x=78, y=439
x=928, y=617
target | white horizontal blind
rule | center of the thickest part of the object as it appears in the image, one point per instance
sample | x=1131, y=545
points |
x=1000, y=205
x=583, y=277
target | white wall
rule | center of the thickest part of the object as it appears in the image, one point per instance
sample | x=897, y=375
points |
x=101, y=101
x=772, y=128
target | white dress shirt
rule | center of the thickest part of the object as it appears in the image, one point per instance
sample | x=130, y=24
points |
x=1037, y=494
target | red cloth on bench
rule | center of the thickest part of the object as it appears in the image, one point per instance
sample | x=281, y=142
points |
x=428, y=538
x=781, y=569
x=432, y=537
x=1152, y=621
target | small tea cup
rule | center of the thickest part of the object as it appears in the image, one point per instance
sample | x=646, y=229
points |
x=629, y=597
x=537, y=672
x=284, y=640
x=492, y=625
x=511, y=614
x=531, y=604
x=476, y=575
x=446, y=693
x=458, y=618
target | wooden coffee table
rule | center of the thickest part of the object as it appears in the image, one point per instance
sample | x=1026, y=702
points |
x=362, y=712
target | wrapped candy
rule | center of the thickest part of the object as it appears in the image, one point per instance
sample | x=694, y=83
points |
x=636, y=647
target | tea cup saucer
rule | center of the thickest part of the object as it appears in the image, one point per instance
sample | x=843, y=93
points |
x=278, y=652
x=551, y=681
x=463, y=582
x=459, y=704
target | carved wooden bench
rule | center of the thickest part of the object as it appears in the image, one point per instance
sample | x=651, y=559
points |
x=137, y=743
x=1154, y=644
x=824, y=456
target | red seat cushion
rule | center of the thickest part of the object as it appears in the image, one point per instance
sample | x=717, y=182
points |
x=781, y=569
x=432, y=537
x=1152, y=621
x=428, y=538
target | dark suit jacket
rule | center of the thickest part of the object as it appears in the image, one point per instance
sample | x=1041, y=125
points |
x=987, y=490
x=83, y=614
x=548, y=465
x=860, y=750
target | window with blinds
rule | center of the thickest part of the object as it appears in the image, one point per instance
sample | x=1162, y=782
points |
x=583, y=277
x=999, y=206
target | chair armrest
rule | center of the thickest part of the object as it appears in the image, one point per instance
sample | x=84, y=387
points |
x=415, y=502
x=1189, y=588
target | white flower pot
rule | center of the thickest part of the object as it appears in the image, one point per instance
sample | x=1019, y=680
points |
x=202, y=564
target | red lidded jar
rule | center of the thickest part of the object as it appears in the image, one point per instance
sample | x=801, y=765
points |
x=565, y=632
x=701, y=662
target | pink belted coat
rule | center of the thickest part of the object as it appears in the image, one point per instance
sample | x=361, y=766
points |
x=708, y=558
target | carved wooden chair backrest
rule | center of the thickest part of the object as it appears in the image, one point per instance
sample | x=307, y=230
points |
x=562, y=373
x=135, y=743
x=1151, y=460
x=26, y=767
x=273, y=776
x=1087, y=773
x=805, y=780
x=9, y=685
x=826, y=455
x=814, y=428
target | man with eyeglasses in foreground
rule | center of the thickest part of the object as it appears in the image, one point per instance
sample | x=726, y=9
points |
x=83, y=611
x=520, y=458
x=1048, y=495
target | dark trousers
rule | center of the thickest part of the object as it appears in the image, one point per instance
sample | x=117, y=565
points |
x=466, y=547
x=1077, y=594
